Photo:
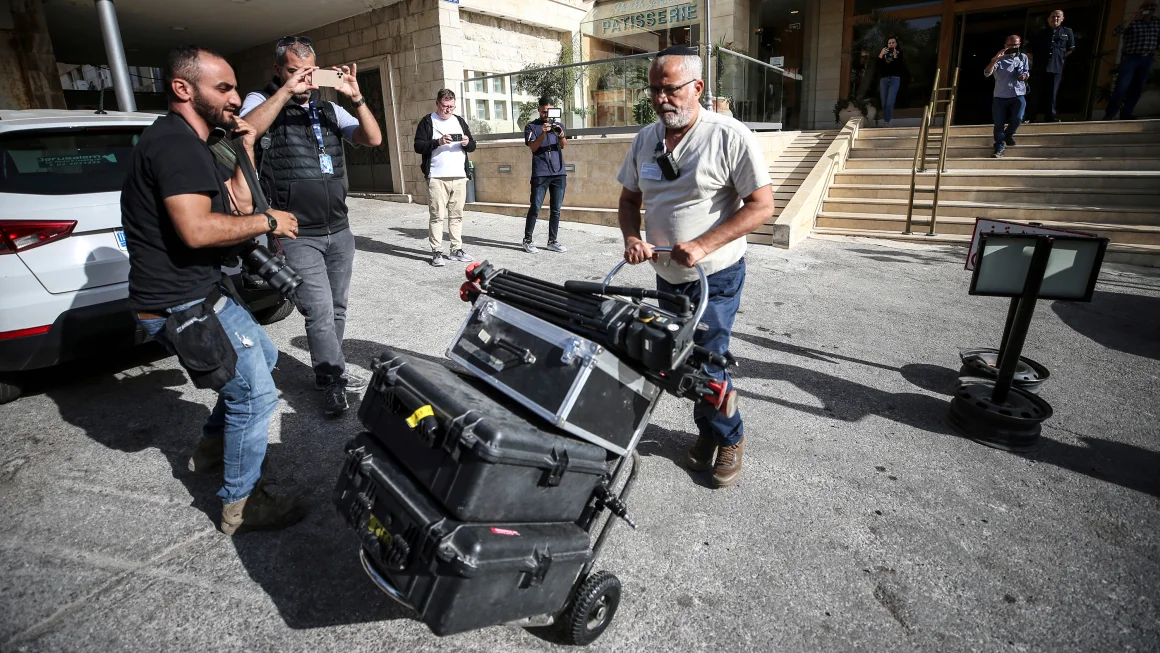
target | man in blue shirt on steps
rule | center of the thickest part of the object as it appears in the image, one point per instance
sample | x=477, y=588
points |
x=1010, y=68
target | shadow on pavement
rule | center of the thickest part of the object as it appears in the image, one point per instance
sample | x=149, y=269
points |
x=365, y=244
x=805, y=352
x=846, y=400
x=311, y=571
x=1119, y=321
x=421, y=234
x=885, y=255
x=1113, y=462
x=673, y=445
x=932, y=378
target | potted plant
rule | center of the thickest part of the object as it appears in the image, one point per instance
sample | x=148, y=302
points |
x=852, y=107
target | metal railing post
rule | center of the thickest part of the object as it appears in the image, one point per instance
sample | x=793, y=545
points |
x=940, y=165
x=919, y=155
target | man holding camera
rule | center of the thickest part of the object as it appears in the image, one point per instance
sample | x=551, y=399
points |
x=181, y=215
x=1010, y=68
x=444, y=139
x=303, y=170
x=545, y=136
x=706, y=185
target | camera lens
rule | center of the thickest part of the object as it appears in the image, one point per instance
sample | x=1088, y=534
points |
x=272, y=270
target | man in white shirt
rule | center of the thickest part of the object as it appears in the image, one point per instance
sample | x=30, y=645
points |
x=303, y=169
x=706, y=185
x=444, y=139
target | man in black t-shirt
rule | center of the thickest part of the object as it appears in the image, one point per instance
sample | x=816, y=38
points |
x=180, y=216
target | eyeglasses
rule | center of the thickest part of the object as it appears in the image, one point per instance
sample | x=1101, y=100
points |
x=653, y=92
x=447, y=106
x=290, y=40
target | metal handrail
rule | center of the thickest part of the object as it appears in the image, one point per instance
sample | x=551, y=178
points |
x=781, y=71
x=930, y=111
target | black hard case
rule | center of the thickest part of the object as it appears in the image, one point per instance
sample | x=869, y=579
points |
x=477, y=453
x=568, y=380
x=456, y=576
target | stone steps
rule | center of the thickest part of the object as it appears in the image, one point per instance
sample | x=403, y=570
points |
x=1020, y=151
x=871, y=141
x=1013, y=164
x=1093, y=195
x=1062, y=213
x=1146, y=180
x=959, y=225
x=1101, y=126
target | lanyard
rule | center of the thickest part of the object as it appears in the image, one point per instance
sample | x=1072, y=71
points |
x=314, y=122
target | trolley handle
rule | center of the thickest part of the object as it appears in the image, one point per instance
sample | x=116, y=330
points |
x=701, y=305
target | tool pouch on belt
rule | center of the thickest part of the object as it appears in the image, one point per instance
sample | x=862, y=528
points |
x=203, y=347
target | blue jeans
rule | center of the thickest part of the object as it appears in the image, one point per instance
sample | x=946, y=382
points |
x=888, y=92
x=541, y=185
x=325, y=264
x=1006, y=111
x=724, y=300
x=245, y=404
x=1130, y=81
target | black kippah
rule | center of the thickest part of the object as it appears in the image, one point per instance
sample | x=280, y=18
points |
x=680, y=51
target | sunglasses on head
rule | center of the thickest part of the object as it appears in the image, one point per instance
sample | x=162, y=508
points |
x=288, y=40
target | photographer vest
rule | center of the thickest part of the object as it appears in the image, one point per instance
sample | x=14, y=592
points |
x=290, y=170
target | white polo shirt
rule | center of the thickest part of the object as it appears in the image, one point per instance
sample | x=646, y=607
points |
x=720, y=162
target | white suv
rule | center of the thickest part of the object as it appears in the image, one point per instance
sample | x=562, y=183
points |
x=64, y=268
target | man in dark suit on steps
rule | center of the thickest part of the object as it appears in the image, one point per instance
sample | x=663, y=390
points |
x=1049, y=49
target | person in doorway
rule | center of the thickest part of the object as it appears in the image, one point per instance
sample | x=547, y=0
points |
x=1010, y=68
x=1048, y=50
x=303, y=170
x=547, y=139
x=180, y=219
x=890, y=67
x=1140, y=34
x=707, y=186
x=444, y=139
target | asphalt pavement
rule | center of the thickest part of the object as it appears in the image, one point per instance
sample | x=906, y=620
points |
x=862, y=522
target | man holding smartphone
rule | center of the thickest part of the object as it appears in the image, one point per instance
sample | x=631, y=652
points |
x=303, y=170
x=1010, y=68
x=444, y=139
x=547, y=140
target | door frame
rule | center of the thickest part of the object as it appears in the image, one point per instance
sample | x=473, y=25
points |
x=390, y=116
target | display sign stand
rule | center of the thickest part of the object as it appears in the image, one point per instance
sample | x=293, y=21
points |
x=993, y=411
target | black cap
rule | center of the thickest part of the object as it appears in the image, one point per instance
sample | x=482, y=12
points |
x=680, y=51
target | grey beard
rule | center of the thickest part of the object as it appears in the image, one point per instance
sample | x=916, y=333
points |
x=678, y=120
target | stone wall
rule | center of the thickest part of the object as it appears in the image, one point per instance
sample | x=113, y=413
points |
x=421, y=38
x=826, y=55
x=496, y=45
x=28, y=74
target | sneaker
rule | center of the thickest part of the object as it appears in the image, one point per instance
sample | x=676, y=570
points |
x=529, y=247
x=437, y=259
x=353, y=381
x=261, y=511
x=1008, y=141
x=209, y=456
x=461, y=256
x=1110, y=116
x=700, y=457
x=335, y=403
x=555, y=246
x=727, y=469
x=887, y=123
x=998, y=154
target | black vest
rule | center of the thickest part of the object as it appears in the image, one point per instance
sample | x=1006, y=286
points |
x=291, y=173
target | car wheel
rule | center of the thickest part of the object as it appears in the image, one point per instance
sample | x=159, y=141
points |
x=8, y=392
x=274, y=313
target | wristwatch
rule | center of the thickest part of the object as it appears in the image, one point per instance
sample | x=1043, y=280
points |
x=270, y=220
x=361, y=101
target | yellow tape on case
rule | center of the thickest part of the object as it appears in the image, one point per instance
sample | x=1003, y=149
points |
x=417, y=416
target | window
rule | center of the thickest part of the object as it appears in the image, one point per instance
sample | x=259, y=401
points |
x=497, y=85
x=477, y=85
x=67, y=162
x=481, y=110
x=500, y=110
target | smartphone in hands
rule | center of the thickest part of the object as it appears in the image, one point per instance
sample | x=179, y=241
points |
x=329, y=78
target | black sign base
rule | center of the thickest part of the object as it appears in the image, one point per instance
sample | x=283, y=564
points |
x=984, y=362
x=1012, y=425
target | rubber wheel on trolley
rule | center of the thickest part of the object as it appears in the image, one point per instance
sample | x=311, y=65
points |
x=592, y=608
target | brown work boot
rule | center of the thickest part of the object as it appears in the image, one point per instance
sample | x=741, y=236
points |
x=700, y=457
x=727, y=469
x=261, y=511
x=209, y=456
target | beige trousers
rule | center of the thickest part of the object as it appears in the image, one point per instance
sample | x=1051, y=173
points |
x=446, y=196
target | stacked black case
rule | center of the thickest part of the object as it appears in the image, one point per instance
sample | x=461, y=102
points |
x=464, y=503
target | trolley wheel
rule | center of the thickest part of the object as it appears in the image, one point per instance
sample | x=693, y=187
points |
x=592, y=608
